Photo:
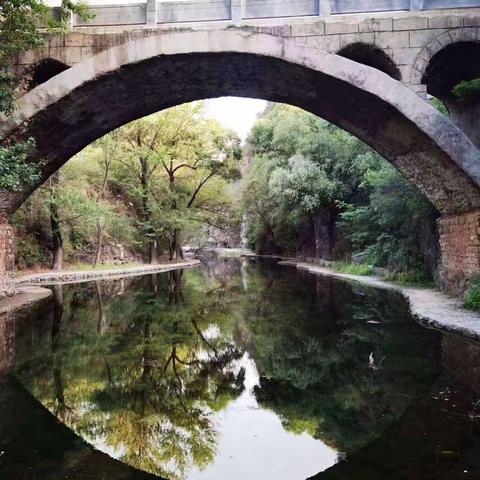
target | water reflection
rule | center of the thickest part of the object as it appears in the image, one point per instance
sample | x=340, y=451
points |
x=245, y=371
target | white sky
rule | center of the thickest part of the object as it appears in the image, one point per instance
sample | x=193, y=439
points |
x=236, y=113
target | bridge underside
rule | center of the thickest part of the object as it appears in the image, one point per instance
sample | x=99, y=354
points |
x=81, y=104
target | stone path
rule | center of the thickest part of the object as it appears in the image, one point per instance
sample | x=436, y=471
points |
x=46, y=278
x=430, y=307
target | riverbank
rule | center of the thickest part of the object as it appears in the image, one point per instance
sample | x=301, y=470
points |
x=70, y=276
x=29, y=292
x=431, y=308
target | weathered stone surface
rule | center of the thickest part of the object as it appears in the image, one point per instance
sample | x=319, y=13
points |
x=410, y=23
x=7, y=257
x=460, y=246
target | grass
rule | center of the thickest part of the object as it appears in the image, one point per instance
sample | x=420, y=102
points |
x=410, y=278
x=80, y=267
x=354, y=268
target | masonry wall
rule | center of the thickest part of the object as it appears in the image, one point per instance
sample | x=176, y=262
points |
x=7, y=256
x=460, y=247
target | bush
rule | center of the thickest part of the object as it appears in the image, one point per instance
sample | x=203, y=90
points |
x=467, y=91
x=30, y=254
x=416, y=278
x=472, y=295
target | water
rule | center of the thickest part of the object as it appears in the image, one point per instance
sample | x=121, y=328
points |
x=236, y=370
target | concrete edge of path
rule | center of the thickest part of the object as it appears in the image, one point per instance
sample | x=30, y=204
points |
x=431, y=308
x=48, y=278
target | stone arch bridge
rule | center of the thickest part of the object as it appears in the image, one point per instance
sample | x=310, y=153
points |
x=369, y=73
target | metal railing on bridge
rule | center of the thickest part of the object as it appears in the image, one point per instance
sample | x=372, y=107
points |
x=153, y=12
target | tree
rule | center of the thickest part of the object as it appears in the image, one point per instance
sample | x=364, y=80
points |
x=181, y=161
x=312, y=167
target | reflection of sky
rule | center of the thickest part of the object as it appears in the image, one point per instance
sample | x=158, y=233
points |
x=253, y=443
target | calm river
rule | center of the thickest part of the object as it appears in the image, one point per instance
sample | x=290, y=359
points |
x=238, y=370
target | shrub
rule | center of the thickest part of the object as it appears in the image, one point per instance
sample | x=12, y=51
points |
x=30, y=254
x=467, y=91
x=472, y=295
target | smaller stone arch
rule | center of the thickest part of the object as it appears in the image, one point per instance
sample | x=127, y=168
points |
x=437, y=43
x=46, y=69
x=372, y=56
x=453, y=63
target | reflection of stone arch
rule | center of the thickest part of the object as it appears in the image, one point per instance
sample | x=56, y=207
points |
x=438, y=43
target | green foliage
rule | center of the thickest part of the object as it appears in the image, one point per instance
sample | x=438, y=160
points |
x=467, y=91
x=354, y=268
x=392, y=226
x=300, y=165
x=30, y=254
x=16, y=173
x=439, y=105
x=167, y=172
x=472, y=295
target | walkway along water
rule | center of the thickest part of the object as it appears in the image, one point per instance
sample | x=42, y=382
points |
x=430, y=307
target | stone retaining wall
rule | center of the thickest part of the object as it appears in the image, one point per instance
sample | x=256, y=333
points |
x=460, y=246
x=7, y=256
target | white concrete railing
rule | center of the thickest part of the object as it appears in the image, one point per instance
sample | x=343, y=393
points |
x=153, y=12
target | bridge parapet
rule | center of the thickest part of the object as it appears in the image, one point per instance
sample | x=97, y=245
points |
x=151, y=12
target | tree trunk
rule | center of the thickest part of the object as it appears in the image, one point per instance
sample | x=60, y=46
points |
x=102, y=325
x=57, y=240
x=100, y=230
x=55, y=334
x=153, y=250
x=177, y=245
x=146, y=213
x=325, y=233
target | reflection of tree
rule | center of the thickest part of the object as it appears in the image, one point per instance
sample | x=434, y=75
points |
x=61, y=409
x=313, y=358
x=147, y=385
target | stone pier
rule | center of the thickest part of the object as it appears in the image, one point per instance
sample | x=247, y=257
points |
x=460, y=246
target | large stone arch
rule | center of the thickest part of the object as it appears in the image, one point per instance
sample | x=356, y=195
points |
x=70, y=110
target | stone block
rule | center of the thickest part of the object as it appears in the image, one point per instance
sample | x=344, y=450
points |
x=392, y=39
x=376, y=25
x=471, y=21
x=350, y=38
x=336, y=28
x=405, y=71
x=420, y=38
x=307, y=30
x=328, y=43
x=410, y=23
x=405, y=56
x=73, y=55
x=450, y=21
